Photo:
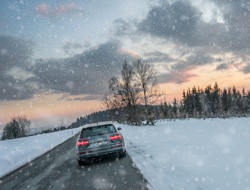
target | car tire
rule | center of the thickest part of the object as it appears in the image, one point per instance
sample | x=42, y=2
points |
x=123, y=154
x=80, y=162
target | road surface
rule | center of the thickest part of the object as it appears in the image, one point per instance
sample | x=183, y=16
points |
x=58, y=169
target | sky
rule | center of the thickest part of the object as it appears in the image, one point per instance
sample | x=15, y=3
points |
x=56, y=56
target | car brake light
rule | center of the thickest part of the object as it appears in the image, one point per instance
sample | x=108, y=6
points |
x=82, y=142
x=116, y=137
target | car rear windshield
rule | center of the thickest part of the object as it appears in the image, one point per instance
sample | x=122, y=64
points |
x=98, y=130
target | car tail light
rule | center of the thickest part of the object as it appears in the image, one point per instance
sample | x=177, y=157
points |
x=116, y=137
x=82, y=142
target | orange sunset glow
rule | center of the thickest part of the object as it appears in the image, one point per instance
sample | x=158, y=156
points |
x=49, y=105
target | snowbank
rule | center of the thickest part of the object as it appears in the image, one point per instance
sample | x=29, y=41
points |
x=192, y=154
x=17, y=152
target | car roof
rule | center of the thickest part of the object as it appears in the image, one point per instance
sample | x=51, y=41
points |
x=98, y=124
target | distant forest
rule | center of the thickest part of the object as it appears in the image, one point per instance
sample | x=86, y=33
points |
x=210, y=102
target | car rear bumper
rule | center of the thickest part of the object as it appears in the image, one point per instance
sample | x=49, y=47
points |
x=116, y=149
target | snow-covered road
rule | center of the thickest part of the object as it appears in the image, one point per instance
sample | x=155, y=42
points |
x=58, y=169
x=192, y=154
x=17, y=152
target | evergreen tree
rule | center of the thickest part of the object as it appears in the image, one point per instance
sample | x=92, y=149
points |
x=215, y=99
x=197, y=101
x=239, y=103
x=190, y=105
x=208, y=99
x=248, y=101
x=229, y=99
x=170, y=110
x=224, y=100
x=164, y=110
x=183, y=95
x=234, y=100
x=181, y=108
x=244, y=101
x=175, y=107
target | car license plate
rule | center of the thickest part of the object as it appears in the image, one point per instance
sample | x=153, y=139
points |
x=96, y=145
x=103, y=143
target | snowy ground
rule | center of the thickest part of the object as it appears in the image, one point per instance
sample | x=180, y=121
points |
x=181, y=154
x=192, y=154
x=17, y=152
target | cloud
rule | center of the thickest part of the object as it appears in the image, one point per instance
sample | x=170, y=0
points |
x=88, y=98
x=14, y=52
x=15, y=57
x=59, y=10
x=236, y=16
x=219, y=60
x=66, y=97
x=43, y=9
x=72, y=48
x=157, y=57
x=178, y=73
x=246, y=69
x=180, y=70
x=222, y=66
x=69, y=45
x=177, y=77
x=130, y=52
x=85, y=73
x=124, y=28
x=178, y=21
x=200, y=58
x=12, y=89
x=183, y=23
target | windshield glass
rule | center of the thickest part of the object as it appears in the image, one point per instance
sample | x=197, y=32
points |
x=98, y=130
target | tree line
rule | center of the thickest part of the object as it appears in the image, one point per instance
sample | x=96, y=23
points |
x=209, y=102
x=196, y=102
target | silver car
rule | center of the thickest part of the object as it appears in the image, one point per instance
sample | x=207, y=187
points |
x=99, y=139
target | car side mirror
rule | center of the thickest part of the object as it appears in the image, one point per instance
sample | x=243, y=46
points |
x=119, y=128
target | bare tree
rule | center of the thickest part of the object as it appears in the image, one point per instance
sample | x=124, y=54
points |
x=124, y=95
x=18, y=127
x=146, y=79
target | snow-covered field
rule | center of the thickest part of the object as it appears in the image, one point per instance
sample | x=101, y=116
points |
x=181, y=154
x=17, y=152
x=192, y=154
